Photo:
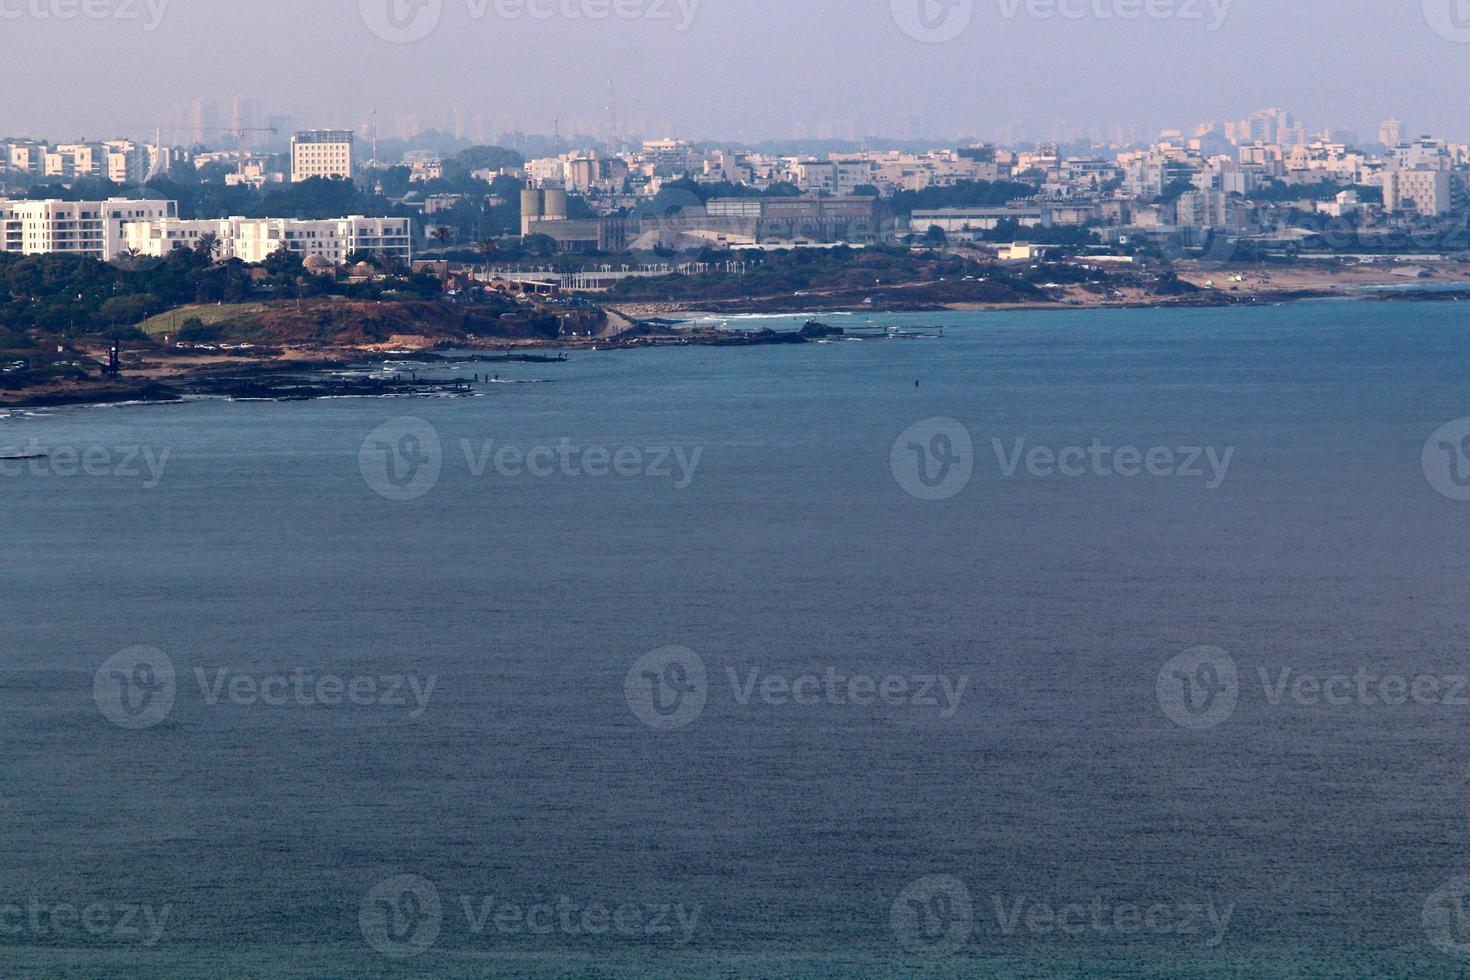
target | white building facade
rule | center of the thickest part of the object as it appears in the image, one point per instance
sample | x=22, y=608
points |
x=321, y=153
x=253, y=239
x=94, y=229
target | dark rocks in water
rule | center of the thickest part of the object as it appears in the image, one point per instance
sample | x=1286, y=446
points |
x=754, y=338
x=94, y=394
x=816, y=330
x=306, y=387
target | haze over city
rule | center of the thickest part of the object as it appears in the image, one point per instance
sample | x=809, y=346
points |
x=746, y=70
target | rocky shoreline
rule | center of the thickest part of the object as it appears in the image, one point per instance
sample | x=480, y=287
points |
x=300, y=373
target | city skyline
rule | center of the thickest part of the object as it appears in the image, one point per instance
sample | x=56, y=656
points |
x=760, y=71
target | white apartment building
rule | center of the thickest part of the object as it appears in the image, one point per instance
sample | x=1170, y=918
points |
x=253, y=239
x=839, y=177
x=94, y=229
x=1425, y=192
x=321, y=153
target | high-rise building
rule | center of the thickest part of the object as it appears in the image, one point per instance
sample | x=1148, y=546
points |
x=321, y=153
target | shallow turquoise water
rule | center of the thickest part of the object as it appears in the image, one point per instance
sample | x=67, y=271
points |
x=1058, y=780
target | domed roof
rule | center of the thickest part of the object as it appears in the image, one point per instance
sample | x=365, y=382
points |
x=318, y=263
x=364, y=269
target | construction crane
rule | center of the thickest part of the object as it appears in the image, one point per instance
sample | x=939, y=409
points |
x=239, y=132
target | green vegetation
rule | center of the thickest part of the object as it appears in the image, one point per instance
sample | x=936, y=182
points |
x=66, y=295
x=198, y=319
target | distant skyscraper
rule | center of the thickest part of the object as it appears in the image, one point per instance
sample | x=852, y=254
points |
x=245, y=115
x=200, y=119
x=1391, y=133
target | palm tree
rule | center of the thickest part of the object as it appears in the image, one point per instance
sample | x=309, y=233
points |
x=441, y=234
x=208, y=246
x=488, y=248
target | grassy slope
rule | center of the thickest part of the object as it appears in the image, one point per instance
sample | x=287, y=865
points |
x=210, y=314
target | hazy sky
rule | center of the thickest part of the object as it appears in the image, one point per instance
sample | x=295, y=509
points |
x=743, y=69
